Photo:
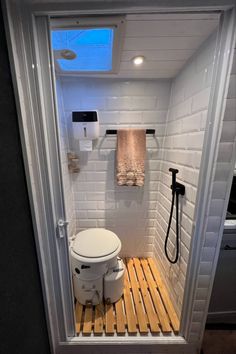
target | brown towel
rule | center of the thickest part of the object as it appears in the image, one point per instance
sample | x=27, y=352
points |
x=130, y=157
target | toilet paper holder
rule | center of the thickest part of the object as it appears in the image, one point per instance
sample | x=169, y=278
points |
x=85, y=125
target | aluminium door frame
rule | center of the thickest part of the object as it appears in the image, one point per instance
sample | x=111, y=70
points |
x=41, y=158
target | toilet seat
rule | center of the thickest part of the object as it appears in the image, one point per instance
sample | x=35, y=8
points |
x=96, y=245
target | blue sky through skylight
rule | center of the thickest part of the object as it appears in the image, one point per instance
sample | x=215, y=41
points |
x=93, y=48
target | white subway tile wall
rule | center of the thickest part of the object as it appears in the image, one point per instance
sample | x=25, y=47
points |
x=182, y=148
x=98, y=201
x=222, y=178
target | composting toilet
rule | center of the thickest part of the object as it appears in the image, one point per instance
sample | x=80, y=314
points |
x=98, y=274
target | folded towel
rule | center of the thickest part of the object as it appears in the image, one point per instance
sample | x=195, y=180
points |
x=130, y=157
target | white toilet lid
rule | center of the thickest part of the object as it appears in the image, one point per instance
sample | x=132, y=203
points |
x=95, y=243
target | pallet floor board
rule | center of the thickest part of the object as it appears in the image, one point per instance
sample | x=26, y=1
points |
x=145, y=307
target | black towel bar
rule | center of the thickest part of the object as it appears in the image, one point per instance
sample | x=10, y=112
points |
x=114, y=131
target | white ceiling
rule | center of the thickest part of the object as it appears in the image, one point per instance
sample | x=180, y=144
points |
x=166, y=41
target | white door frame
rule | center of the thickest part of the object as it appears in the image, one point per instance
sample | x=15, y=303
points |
x=36, y=111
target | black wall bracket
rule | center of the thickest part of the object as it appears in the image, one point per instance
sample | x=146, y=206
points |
x=114, y=131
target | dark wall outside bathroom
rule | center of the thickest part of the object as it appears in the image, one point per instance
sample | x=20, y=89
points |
x=22, y=321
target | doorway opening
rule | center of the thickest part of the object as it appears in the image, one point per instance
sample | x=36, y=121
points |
x=168, y=93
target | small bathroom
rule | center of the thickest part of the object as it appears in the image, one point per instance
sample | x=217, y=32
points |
x=156, y=87
x=130, y=148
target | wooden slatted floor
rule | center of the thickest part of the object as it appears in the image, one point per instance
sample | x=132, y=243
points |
x=144, y=308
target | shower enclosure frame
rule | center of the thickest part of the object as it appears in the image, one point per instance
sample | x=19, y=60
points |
x=24, y=22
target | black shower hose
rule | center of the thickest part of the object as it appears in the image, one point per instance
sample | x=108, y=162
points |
x=173, y=261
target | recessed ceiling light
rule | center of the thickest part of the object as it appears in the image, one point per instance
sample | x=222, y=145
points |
x=138, y=60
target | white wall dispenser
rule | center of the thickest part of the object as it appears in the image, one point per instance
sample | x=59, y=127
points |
x=85, y=128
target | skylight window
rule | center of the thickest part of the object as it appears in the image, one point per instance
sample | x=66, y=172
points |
x=87, y=46
x=89, y=50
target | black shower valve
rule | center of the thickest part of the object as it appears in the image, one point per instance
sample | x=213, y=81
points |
x=174, y=172
x=176, y=186
x=179, y=188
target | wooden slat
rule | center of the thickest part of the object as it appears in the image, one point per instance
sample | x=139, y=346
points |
x=127, y=281
x=110, y=319
x=145, y=303
x=130, y=314
x=165, y=296
x=160, y=309
x=152, y=317
x=78, y=316
x=120, y=317
x=98, y=320
x=87, y=327
x=141, y=316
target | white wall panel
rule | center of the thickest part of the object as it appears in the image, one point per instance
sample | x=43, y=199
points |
x=222, y=179
x=182, y=148
x=99, y=202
